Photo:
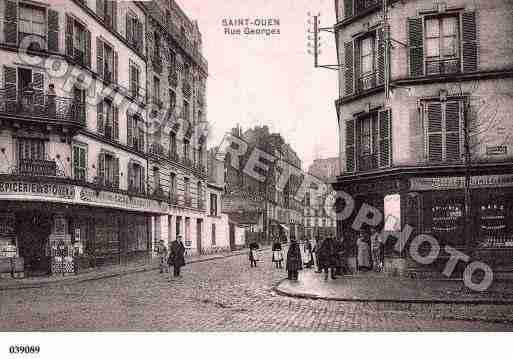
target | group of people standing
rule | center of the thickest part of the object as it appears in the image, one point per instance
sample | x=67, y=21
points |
x=370, y=250
x=175, y=257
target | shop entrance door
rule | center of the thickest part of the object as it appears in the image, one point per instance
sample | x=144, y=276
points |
x=33, y=229
x=199, y=223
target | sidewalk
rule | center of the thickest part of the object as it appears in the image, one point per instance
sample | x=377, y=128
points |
x=106, y=272
x=377, y=287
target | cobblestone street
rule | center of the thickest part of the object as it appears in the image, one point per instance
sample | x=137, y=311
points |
x=222, y=294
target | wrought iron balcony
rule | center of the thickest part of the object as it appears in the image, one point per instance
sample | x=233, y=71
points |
x=30, y=167
x=367, y=82
x=106, y=182
x=187, y=200
x=442, y=67
x=173, y=199
x=159, y=194
x=173, y=156
x=39, y=106
x=138, y=143
x=136, y=188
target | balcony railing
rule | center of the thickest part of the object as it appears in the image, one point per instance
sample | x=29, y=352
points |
x=160, y=194
x=187, y=200
x=201, y=204
x=367, y=82
x=106, y=182
x=156, y=149
x=135, y=188
x=442, y=67
x=173, y=156
x=187, y=162
x=39, y=105
x=30, y=167
x=173, y=199
x=138, y=144
x=367, y=162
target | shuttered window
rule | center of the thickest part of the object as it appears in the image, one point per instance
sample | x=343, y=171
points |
x=134, y=79
x=107, y=11
x=108, y=170
x=368, y=141
x=108, y=120
x=106, y=61
x=443, y=130
x=78, y=41
x=356, y=7
x=134, y=34
x=442, y=44
x=79, y=162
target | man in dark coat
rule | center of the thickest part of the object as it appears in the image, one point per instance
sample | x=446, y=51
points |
x=293, y=260
x=176, y=256
x=327, y=257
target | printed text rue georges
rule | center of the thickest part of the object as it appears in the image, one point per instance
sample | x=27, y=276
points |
x=251, y=26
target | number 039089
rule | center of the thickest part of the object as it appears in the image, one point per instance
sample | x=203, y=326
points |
x=24, y=349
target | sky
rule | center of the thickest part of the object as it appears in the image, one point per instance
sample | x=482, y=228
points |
x=270, y=80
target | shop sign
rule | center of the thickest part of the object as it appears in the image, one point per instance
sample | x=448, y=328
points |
x=119, y=200
x=55, y=190
x=446, y=183
x=499, y=150
x=8, y=251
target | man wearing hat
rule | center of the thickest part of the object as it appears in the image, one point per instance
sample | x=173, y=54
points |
x=162, y=253
x=176, y=256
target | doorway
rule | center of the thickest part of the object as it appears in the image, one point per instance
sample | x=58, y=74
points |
x=33, y=229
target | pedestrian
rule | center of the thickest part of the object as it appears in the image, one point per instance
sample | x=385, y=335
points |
x=316, y=248
x=277, y=253
x=163, y=256
x=293, y=260
x=176, y=256
x=327, y=258
x=338, y=253
x=307, y=254
x=253, y=254
x=376, y=248
x=363, y=257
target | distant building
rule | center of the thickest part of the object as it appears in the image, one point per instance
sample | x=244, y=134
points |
x=325, y=168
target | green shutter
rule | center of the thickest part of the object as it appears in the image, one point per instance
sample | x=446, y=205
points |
x=116, y=173
x=115, y=123
x=453, y=130
x=38, y=83
x=416, y=46
x=101, y=168
x=99, y=8
x=116, y=67
x=348, y=8
x=53, y=31
x=349, y=69
x=357, y=64
x=114, y=14
x=350, y=145
x=11, y=22
x=385, y=138
x=11, y=87
x=76, y=161
x=380, y=58
x=434, y=132
x=469, y=39
x=139, y=36
x=100, y=123
x=88, y=48
x=99, y=57
x=69, y=36
x=129, y=125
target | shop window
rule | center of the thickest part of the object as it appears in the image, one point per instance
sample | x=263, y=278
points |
x=443, y=44
x=495, y=220
x=448, y=221
x=443, y=124
x=80, y=162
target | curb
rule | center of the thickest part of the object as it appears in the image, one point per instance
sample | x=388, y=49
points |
x=99, y=276
x=396, y=301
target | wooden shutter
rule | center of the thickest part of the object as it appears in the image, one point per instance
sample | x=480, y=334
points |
x=469, y=41
x=380, y=56
x=115, y=123
x=53, y=30
x=129, y=126
x=453, y=123
x=101, y=168
x=99, y=57
x=100, y=123
x=416, y=46
x=350, y=145
x=115, y=171
x=38, y=82
x=149, y=45
x=114, y=14
x=349, y=68
x=130, y=171
x=434, y=131
x=357, y=64
x=99, y=8
x=88, y=48
x=139, y=35
x=143, y=179
x=76, y=162
x=385, y=138
x=11, y=87
x=129, y=29
x=348, y=8
x=69, y=36
x=11, y=22
x=116, y=63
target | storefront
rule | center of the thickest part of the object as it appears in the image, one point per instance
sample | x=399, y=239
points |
x=59, y=228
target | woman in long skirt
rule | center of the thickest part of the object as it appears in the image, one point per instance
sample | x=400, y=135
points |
x=362, y=244
x=293, y=260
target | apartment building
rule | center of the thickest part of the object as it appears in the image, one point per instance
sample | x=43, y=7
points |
x=446, y=122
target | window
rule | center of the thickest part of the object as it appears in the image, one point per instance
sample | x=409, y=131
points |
x=135, y=133
x=79, y=96
x=187, y=186
x=134, y=74
x=32, y=22
x=134, y=31
x=31, y=149
x=107, y=120
x=108, y=170
x=107, y=61
x=366, y=79
x=200, y=195
x=213, y=234
x=172, y=184
x=172, y=145
x=186, y=150
x=173, y=70
x=368, y=141
x=442, y=42
x=156, y=90
x=107, y=11
x=156, y=177
x=443, y=123
x=136, y=177
x=213, y=204
x=79, y=162
x=172, y=100
x=156, y=47
x=186, y=111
